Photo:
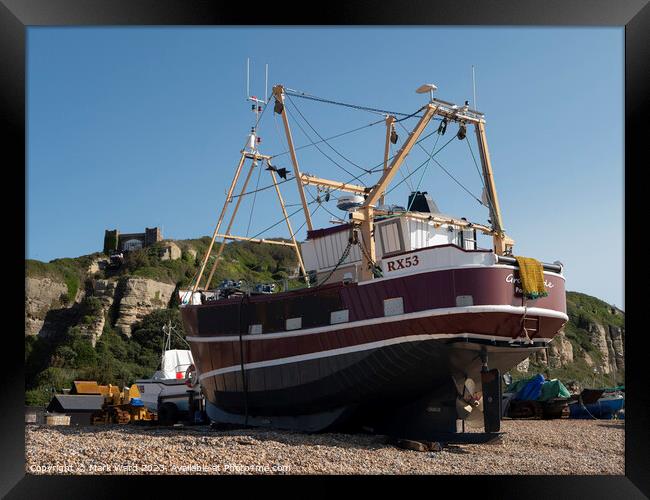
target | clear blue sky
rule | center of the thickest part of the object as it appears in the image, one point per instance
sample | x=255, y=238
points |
x=135, y=127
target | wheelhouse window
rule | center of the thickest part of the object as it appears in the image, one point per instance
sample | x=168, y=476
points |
x=390, y=234
x=466, y=239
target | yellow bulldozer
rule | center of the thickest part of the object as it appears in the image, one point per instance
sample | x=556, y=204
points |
x=120, y=406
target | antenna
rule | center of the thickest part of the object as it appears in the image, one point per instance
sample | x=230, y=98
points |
x=474, y=88
x=256, y=107
x=250, y=97
x=248, y=90
x=266, y=82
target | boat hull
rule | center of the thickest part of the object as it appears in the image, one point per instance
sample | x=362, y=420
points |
x=604, y=408
x=361, y=386
x=376, y=368
x=152, y=392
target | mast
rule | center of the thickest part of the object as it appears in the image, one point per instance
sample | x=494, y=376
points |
x=502, y=243
x=278, y=93
x=390, y=119
x=365, y=215
x=291, y=233
x=221, y=216
x=232, y=220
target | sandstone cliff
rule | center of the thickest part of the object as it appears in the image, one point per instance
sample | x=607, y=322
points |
x=591, y=347
x=122, y=302
x=139, y=297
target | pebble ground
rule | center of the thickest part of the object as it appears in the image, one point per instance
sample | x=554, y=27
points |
x=526, y=447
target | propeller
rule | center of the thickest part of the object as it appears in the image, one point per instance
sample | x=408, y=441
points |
x=470, y=400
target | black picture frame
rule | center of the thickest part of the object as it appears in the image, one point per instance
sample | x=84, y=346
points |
x=633, y=15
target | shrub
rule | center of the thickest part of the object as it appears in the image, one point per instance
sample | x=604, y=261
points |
x=40, y=396
x=55, y=378
x=136, y=259
x=64, y=357
x=148, y=332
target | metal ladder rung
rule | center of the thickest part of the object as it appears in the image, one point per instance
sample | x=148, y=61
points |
x=535, y=320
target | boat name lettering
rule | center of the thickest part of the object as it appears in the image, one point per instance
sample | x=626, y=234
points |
x=511, y=279
x=403, y=263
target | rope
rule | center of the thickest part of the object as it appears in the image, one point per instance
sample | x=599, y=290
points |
x=241, y=363
x=410, y=116
x=523, y=320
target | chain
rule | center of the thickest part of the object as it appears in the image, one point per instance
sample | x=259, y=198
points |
x=374, y=268
x=344, y=256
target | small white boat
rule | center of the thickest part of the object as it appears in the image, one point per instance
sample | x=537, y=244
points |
x=168, y=391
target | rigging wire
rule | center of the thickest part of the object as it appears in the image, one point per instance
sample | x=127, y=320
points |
x=459, y=183
x=478, y=170
x=377, y=111
x=262, y=188
x=378, y=167
x=324, y=140
x=277, y=223
x=408, y=209
x=250, y=217
x=408, y=168
x=311, y=214
x=263, y=110
x=330, y=138
x=286, y=110
x=445, y=170
x=422, y=164
x=320, y=203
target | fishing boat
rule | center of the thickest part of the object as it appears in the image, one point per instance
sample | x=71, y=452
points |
x=403, y=322
x=610, y=404
x=167, y=391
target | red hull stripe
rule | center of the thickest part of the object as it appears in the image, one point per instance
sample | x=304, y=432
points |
x=515, y=310
x=357, y=348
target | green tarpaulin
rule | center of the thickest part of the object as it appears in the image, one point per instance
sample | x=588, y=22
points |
x=553, y=389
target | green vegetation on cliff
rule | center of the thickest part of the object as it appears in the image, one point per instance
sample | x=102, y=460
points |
x=52, y=364
x=71, y=271
x=585, y=312
x=253, y=262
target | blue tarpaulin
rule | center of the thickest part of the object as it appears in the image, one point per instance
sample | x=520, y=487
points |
x=532, y=390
